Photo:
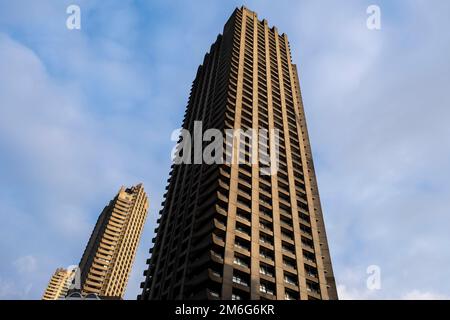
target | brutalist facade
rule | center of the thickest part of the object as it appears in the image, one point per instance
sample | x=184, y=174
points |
x=227, y=231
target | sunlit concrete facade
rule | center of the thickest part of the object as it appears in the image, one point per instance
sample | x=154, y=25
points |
x=59, y=284
x=226, y=231
x=109, y=255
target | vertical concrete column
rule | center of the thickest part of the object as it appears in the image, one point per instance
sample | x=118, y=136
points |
x=231, y=221
x=254, y=282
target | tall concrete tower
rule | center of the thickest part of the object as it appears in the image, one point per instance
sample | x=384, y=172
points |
x=229, y=230
x=59, y=284
x=110, y=252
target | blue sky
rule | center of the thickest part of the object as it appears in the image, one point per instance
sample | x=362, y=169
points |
x=84, y=112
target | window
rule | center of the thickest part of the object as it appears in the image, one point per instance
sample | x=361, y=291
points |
x=243, y=214
x=309, y=256
x=266, y=288
x=308, y=242
x=311, y=271
x=241, y=243
x=286, y=221
x=215, y=273
x=288, y=262
x=217, y=255
x=241, y=261
x=243, y=228
x=239, y=279
x=312, y=287
x=287, y=234
x=264, y=224
x=266, y=270
x=264, y=238
x=265, y=211
x=286, y=247
x=290, y=279
x=290, y=295
x=235, y=296
x=305, y=229
x=266, y=254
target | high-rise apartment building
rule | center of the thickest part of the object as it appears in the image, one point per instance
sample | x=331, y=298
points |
x=109, y=255
x=226, y=230
x=59, y=284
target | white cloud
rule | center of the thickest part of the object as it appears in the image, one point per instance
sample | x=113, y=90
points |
x=9, y=289
x=26, y=264
x=345, y=293
x=67, y=154
x=81, y=115
x=48, y=132
x=420, y=295
x=377, y=109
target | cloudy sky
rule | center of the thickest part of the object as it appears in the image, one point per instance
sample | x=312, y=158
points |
x=83, y=112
